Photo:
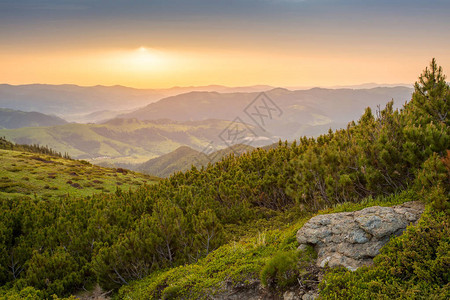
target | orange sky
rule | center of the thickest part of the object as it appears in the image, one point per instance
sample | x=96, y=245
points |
x=282, y=47
x=165, y=68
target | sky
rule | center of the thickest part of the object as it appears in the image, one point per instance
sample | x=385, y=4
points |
x=165, y=43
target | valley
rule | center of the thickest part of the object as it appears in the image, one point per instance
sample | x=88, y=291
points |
x=131, y=139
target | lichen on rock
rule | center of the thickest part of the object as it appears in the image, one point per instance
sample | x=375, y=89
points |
x=353, y=239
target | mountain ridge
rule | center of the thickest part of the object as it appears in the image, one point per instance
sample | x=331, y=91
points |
x=302, y=112
x=73, y=102
x=11, y=119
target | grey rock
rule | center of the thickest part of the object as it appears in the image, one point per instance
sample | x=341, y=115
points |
x=290, y=295
x=353, y=239
x=309, y=296
x=302, y=247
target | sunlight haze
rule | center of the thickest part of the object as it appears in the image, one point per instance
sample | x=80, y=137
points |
x=278, y=43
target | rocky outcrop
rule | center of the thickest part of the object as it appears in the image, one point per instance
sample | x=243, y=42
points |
x=353, y=239
x=350, y=239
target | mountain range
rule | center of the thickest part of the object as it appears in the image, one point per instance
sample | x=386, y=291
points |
x=75, y=103
x=288, y=114
x=10, y=119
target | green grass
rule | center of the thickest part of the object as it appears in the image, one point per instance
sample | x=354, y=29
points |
x=24, y=173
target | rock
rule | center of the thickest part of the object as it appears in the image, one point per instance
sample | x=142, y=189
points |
x=353, y=239
x=309, y=296
x=302, y=247
x=290, y=295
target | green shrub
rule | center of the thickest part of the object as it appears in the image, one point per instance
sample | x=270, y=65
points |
x=433, y=182
x=171, y=292
x=415, y=265
x=283, y=269
x=280, y=270
x=27, y=293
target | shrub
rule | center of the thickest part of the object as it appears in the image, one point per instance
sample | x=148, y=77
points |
x=27, y=293
x=171, y=292
x=433, y=182
x=281, y=270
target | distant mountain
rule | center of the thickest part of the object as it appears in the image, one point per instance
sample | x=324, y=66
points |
x=74, y=102
x=371, y=85
x=184, y=157
x=292, y=113
x=100, y=116
x=10, y=119
x=131, y=140
x=71, y=101
x=217, y=88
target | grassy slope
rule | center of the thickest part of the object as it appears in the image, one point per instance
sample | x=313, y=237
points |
x=48, y=176
x=238, y=262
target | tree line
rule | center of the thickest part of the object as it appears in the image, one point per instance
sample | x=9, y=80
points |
x=35, y=148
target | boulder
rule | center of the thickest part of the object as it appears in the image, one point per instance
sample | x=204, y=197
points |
x=353, y=239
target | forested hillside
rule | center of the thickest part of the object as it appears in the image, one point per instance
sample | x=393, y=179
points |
x=17, y=119
x=139, y=241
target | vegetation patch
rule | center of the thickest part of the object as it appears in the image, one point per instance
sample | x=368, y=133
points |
x=30, y=175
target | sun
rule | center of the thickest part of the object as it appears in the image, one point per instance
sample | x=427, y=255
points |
x=142, y=49
x=140, y=66
x=145, y=58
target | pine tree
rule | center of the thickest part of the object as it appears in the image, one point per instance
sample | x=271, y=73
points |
x=426, y=120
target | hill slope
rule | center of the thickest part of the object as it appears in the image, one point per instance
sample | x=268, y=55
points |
x=267, y=265
x=10, y=119
x=44, y=176
x=184, y=157
x=178, y=160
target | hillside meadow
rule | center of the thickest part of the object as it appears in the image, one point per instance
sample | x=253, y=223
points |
x=45, y=176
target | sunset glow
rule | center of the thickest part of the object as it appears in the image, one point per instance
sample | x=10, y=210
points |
x=280, y=43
